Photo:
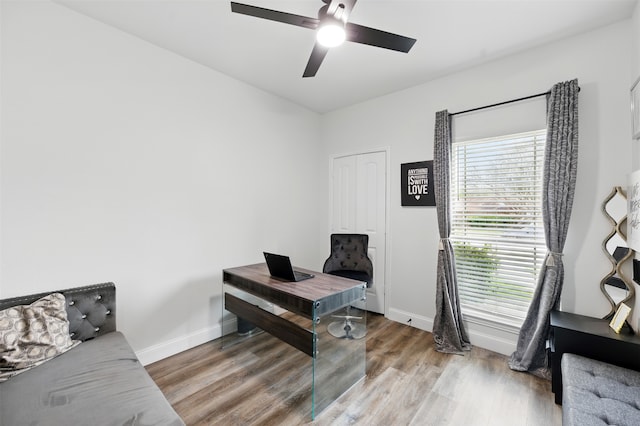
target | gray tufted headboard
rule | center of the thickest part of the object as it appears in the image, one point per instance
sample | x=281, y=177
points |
x=91, y=309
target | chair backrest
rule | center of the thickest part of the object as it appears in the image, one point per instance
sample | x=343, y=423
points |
x=349, y=258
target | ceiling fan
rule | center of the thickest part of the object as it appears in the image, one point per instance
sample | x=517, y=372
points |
x=332, y=28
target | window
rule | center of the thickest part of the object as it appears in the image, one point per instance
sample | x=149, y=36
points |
x=497, y=230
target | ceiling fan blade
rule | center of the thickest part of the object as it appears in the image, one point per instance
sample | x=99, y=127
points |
x=317, y=56
x=365, y=35
x=274, y=15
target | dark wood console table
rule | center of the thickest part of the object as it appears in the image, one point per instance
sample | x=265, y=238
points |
x=591, y=338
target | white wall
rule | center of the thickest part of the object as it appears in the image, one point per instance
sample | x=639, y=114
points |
x=120, y=161
x=405, y=121
x=635, y=53
x=123, y=162
x=635, y=145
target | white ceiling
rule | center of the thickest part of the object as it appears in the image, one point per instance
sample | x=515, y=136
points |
x=452, y=35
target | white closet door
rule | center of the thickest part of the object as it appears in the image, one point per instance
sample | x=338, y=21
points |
x=359, y=206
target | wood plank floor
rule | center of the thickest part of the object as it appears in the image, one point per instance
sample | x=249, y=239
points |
x=263, y=381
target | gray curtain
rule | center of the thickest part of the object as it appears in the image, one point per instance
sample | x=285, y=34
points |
x=561, y=165
x=449, y=332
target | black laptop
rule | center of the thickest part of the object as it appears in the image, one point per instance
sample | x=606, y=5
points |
x=280, y=267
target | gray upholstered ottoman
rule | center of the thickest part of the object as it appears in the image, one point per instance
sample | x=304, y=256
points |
x=596, y=393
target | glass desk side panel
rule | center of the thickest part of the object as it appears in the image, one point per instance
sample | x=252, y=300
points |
x=340, y=354
x=294, y=388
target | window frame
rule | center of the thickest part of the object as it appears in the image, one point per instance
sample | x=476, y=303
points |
x=497, y=314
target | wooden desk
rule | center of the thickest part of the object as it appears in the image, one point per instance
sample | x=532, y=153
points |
x=337, y=364
x=310, y=298
x=591, y=338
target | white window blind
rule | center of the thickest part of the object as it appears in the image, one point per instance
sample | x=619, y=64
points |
x=497, y=230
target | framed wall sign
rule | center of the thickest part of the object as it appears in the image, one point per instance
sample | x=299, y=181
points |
x=633, y=210
x=417, y=184
x=635, y=109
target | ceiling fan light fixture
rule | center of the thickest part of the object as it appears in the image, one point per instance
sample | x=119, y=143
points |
x=331, y=34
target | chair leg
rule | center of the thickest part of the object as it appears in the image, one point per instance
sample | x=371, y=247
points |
x=347, y=329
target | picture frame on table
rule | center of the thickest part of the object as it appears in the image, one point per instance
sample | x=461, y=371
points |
x=620, y=317
x=635, y=109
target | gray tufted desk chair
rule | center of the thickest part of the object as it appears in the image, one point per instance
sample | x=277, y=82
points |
x=349, y=259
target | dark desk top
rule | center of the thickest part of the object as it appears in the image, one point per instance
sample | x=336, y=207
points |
x=319, y=295
x=594, y=326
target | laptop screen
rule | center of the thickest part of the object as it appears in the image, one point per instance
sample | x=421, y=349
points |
x=280, y=267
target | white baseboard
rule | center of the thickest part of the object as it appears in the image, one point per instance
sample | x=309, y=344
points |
x=408, y=318
x=480, y=336
x=171, y=347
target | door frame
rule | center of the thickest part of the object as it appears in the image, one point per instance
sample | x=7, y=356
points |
x=387, y=207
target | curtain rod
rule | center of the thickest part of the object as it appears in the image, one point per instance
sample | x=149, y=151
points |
x=500, y=103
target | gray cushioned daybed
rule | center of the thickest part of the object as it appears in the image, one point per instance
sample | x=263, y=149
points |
x=597, y=393
x=98, y=382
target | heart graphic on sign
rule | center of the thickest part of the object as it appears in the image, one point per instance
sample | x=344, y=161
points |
x=417, y=197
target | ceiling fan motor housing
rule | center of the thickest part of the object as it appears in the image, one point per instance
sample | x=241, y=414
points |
x=334, y=10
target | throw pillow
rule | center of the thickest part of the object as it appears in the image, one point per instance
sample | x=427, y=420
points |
x=33, y=334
